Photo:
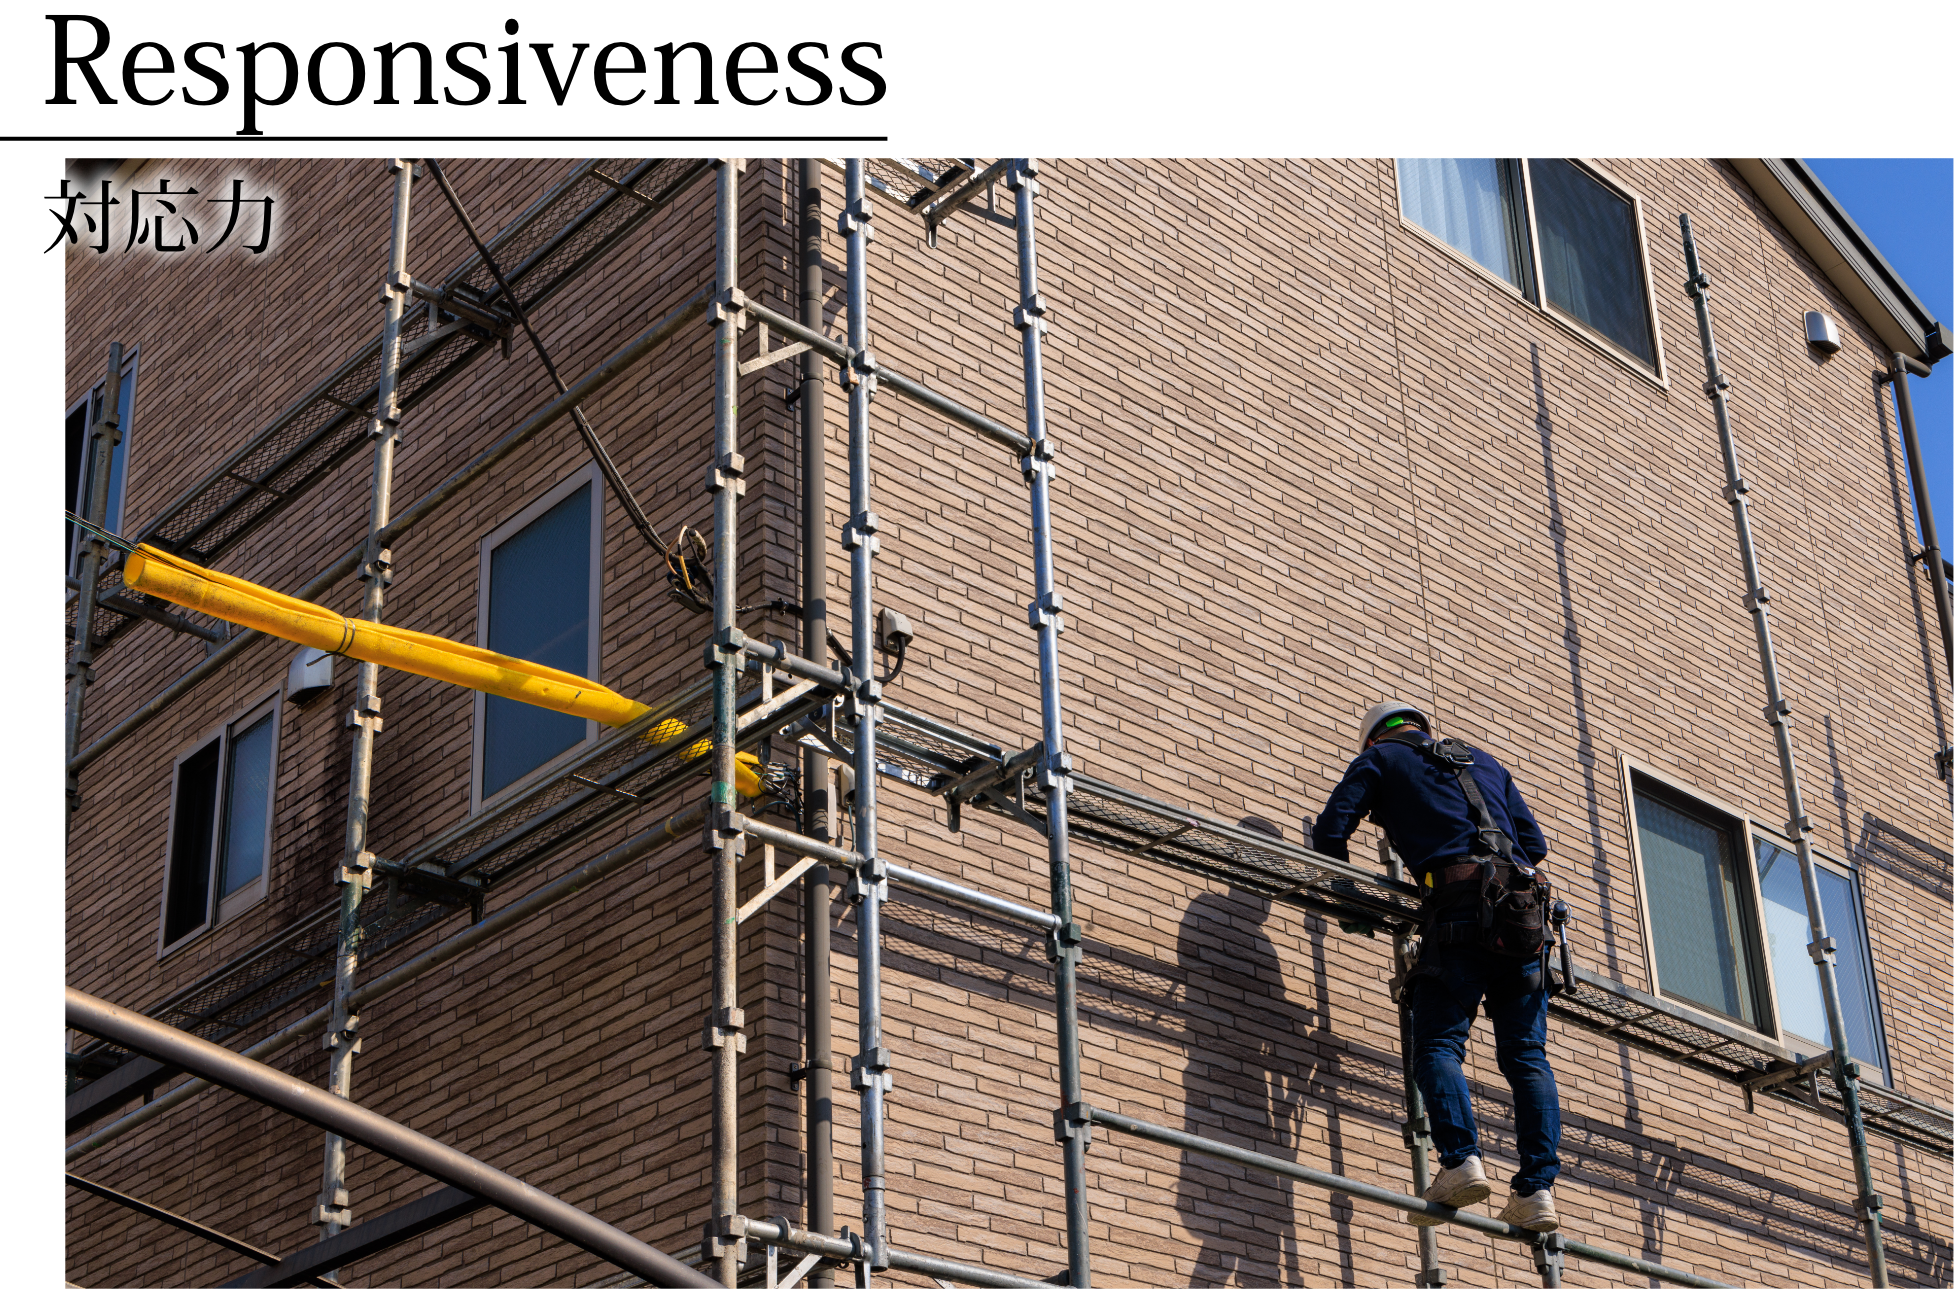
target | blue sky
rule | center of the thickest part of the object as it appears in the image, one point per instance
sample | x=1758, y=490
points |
x=1907, y=208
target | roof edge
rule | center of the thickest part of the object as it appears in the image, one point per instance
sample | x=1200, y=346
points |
x=1847, y=257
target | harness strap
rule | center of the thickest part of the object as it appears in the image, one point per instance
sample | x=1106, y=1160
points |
x=1457, y=757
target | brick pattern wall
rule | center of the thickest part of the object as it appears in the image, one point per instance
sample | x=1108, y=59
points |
x=1309, y=458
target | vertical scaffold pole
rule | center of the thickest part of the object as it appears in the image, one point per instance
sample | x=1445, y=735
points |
x=1930, y=557
x=725, y=1036
x=1823, y=949
x=869, y=1072
x=104, y=435
x=1071, y=1126
x=819, y=1070
x=342, y=1042
x=1417, y=1128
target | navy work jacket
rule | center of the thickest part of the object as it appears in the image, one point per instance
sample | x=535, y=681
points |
x=1419, y=804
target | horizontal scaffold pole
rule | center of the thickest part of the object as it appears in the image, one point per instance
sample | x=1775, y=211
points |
x=851, y=1250
x=596, y=379
x=377, y=1133
x=997, y=432
x=1377, y=1194
x=489, y=928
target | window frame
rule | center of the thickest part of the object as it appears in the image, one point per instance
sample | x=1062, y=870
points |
x=501, y=533
x=219, y=909
x=1764, y=985
x=118, y=499
x=1657, y=374
x=1851, y=873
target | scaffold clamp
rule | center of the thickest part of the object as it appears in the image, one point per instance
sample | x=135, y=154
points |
x=1074, y=1120
x=1045, y=611
x=870, y=1069
x=724, y=1233
x=726, y=1025
x=1550, y=1256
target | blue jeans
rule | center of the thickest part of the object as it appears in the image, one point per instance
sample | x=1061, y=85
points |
x=1442, y=1002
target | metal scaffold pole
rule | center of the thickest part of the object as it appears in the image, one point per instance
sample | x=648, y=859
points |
x=334, y=1211
x=104, y=435
x=1930, y=557
x=725, y=1036
x=1823, y=949
x=1417, y=1128
x=817, y=889
x=869, y=1072
x=1071, y=1125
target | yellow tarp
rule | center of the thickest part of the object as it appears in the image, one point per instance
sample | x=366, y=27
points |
x=233, y=599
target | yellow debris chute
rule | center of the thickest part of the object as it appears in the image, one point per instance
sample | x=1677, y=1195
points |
x=233, y=599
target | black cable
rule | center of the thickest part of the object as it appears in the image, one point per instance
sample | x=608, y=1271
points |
x=591, y=441
x=902, y=652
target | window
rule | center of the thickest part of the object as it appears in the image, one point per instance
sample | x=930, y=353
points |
x=1553, y=230
x=1701, y=906
x=81, y=418
x=539, y=601
x=220, y=825
x=1801, y=1007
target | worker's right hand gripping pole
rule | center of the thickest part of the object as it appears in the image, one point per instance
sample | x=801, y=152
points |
x=870, y=1073
x=1073, y=1128
x=1778, y=713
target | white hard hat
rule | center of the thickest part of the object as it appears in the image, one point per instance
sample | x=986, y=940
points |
x=1381, y=712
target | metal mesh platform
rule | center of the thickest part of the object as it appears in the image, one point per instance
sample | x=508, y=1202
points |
x=944, y=761
x=913, y=181
x=541, y=251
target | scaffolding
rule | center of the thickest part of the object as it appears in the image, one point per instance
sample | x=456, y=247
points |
x=761, y=694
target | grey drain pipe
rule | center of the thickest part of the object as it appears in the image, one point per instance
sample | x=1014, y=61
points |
x=1923, y=509
x=1823, y=949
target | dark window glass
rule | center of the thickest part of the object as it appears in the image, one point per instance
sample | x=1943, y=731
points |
x=247, y=808
x=1698, y=913
x=187, y=905
x=1473, y=205
x=1590, y=258
x=77, y=438
x=81, y=461
x=539, y=609
x=1801, y=1006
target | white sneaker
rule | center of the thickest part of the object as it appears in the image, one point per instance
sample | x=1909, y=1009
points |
x=1455, y=1188
x=1533, y=1212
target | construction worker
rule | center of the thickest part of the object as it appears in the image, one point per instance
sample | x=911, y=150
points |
x=1451, y=831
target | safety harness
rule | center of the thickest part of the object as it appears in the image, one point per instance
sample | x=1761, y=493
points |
x=1508, y=896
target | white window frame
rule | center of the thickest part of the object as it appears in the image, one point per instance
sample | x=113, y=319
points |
x=1657, y=374
x=509, y=528
x=118, y=500
x=219, y=911
x=1850, y=872
x=1745, y=838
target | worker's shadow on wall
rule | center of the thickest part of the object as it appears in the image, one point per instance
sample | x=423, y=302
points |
x=1248, y=1067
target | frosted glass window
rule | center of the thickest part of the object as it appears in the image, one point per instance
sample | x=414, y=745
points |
x=539, y=608
x=1698, y=910
x=1801, y=1007
x=247, y=808
x=1473, y=205
x=1591, y=256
